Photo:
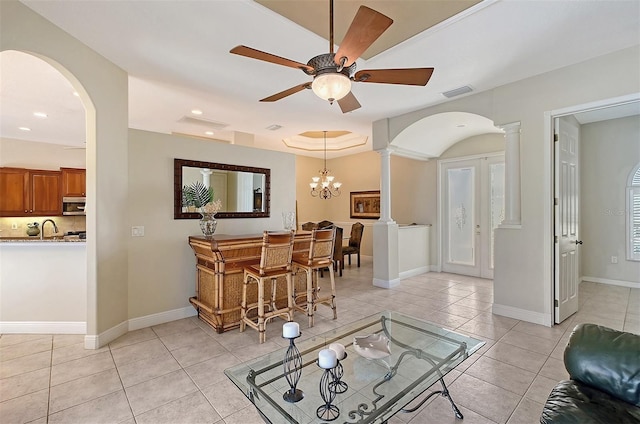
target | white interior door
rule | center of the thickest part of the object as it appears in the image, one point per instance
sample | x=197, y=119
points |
x=567, y=191
x=472, y=195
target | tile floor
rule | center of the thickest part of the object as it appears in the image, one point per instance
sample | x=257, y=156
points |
x=173, y=373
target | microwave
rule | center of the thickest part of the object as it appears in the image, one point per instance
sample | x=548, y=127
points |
x=73, y=205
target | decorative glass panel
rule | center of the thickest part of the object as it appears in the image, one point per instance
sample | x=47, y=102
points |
x=496, y=175
x=461, y=221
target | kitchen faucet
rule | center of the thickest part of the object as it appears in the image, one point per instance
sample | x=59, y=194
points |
x=55, y=227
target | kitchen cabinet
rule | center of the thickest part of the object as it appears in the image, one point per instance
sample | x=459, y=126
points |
x=74, y=182
x=30, y=192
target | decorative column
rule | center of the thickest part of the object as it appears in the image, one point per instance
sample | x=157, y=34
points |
x=385, y=185
x=385, y=232
x=206, y=177
x=512, y=201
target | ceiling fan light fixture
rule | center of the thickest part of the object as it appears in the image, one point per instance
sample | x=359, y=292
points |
x=331, y=86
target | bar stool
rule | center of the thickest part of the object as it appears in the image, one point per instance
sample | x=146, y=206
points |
x=275, y=261
x=319, y=256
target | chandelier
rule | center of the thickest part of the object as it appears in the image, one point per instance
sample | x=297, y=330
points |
x=323, y=186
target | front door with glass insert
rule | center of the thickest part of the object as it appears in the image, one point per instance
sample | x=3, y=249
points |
x=472, y=196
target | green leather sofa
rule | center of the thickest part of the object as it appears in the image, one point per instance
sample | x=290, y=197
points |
x=604, y=367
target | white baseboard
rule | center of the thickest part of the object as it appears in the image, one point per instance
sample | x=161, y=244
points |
x=102, y=339
x=161, y=318
x=522, y=314
x=623, y=283
x=386, y=284
x=414, y=272
x=43, y=327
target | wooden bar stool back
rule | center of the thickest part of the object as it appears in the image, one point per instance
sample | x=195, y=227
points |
x=275, y=261
x=319, y=256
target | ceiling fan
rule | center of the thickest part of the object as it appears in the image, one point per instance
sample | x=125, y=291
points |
x=333, y=72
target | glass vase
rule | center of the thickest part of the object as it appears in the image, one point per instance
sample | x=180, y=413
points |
x=208, y=224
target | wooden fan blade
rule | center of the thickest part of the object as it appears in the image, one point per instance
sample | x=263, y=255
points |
x=366, y=27
x=410, y=76
x=268, y=57
x=348, y=103
x=287, y=92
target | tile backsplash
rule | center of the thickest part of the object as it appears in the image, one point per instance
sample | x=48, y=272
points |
x=64, y=223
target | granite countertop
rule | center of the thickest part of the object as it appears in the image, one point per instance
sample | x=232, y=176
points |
x=58, y=239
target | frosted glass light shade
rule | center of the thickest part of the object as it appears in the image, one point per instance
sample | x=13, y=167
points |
x=331, y=86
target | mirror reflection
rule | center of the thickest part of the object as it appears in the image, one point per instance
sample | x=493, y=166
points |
x=232, y=191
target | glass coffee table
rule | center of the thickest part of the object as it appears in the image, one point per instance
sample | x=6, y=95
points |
x=391, y=359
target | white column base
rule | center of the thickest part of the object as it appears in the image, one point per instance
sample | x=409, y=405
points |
x=386, y=284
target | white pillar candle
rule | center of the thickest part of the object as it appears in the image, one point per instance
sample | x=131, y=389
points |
x=327, y=359
x=339, y=350
x=290, y=330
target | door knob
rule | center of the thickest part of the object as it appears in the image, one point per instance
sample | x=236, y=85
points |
x=578, y=241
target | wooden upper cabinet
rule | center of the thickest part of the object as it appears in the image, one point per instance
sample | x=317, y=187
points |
x=14, y=191
x=25, y=192
x=74, y=182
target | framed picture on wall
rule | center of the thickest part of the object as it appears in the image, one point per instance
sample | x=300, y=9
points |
x=365, y=204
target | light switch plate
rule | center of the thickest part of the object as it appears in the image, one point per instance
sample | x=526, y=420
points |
x=14, y=226
x=137, y=231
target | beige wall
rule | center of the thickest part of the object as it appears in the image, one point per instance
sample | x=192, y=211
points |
x=36, y=155
x=609, y=151
x=161, y=275
x=523, y=272
x=103, y=90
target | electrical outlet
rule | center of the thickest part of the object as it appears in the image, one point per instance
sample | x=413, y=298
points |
x=137, y=231
x=14, y=226
x=614, y=259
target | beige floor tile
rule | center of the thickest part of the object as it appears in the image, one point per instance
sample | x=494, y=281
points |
x=24, y=408
x=111, y=408
x=84, y=389
x=446, y=320
x=248, y=415
x=193, y=354
x=516, y=356
x=62, y=340
x=490, y=401
x=551, y=333
x=529, y=342
x=475, y=304
x=12, y=339
x=190, y=409
x=172, y=327
x=212, y=371
x=30, y=347
x=135, y=352
x=225, y=397
x=82, y=367
x=461, y=311
x=25, y=364
x=555, y=369
x=491, y=318
x=191, y=337
x=501, y=374
x=133, y=337
x=136, y=372
x=154, y=393
x=490, y=331
x=23, y=384
x=440, y=411
x=527, y=412
x=74, y=351
x=540, y=389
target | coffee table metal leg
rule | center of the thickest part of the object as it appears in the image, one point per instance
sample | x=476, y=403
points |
x=445, y=393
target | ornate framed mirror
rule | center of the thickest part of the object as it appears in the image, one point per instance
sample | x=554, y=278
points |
x=243, y=191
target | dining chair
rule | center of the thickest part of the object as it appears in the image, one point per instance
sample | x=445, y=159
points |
x=319, y=256
x=355, y=239
x=275, y=262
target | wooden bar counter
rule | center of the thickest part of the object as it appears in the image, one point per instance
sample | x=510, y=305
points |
x=220, y=262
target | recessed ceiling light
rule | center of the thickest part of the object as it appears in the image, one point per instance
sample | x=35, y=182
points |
x=196, y=112
x=274, y=127
x=40, y=114
x=209, y=132
x=24, y=129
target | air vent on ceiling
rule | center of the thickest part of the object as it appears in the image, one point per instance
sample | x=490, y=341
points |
x=274, y=127
x=202, y=122
x=457, y=91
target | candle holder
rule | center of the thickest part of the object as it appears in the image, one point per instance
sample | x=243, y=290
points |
x=328, y=411
x=292, y=364
x=337, y=385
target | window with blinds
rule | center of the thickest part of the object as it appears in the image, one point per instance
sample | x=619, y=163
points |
x=633, y=215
